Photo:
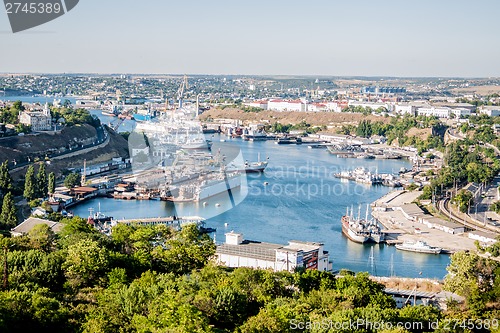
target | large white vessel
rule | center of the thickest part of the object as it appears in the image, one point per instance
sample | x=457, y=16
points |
x=418, y=246
x=204, y=187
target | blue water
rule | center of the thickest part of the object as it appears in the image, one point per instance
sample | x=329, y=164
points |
x=303, y=201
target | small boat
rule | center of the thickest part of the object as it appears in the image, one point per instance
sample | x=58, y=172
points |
x=266, y=183
x=317, y=146
x=207, y=230
x=205, y=203
x=217, y=205
x=418, y=246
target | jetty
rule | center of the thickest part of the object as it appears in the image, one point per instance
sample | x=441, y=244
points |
x=175, y=221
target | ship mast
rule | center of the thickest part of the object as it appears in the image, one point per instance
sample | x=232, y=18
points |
x=84, y=179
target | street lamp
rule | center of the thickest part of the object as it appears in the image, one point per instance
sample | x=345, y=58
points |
x=468, y=206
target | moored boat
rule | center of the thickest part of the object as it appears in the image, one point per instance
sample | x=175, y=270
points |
x=418, y=246
x=361, y=230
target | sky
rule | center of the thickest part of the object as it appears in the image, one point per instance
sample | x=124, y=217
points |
x=445, y=38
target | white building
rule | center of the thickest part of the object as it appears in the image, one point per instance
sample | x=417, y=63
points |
x=440, y=224
x=371, y=105
x=38, y=120
x=486, y=238
x=461, y=112
x=405, y=108
x=492, y=111
x=442, y=112
x=257, y=104
x=333, y=106
x=236, y=252
x=316, y=107
x=286, y=105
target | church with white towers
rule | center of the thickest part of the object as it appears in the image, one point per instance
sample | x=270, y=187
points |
x=39, y=120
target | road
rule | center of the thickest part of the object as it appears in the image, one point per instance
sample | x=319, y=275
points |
x=444, y=208
x=480, y=210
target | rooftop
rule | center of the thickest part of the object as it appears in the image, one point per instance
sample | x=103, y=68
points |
x=252, y=249
x=31, y=222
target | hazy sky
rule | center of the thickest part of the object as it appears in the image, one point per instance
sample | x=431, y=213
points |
x=317, y=37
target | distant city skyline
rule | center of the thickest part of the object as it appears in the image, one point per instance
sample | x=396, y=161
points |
x=328, y=38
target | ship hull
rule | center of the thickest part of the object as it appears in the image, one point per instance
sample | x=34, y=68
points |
x=351, y=234
x=417, y=250
x=218, y=188
x=377, y=238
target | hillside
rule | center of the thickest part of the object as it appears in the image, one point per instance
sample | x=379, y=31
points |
x=19, y=148
x=313, y=118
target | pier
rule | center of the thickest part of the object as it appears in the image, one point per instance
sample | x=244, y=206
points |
x=172, y=221
x=406, y=222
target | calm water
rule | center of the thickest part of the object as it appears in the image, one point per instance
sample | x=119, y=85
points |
x=303, y=201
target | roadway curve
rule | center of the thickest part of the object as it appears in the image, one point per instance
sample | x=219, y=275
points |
x=443, y=208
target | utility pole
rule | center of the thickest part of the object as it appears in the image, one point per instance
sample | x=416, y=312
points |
x=5, y=269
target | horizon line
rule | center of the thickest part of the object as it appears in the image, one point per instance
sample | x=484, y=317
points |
x=254, y=75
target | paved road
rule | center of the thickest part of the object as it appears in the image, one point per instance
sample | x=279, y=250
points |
x=102, y=141
x=444, y=207
x=480, y=210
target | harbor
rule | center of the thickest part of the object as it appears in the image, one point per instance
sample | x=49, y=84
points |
x=405, y=222
x=296, y=197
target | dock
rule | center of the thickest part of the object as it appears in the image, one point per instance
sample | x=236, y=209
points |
x=404, y=221
x=172, y=221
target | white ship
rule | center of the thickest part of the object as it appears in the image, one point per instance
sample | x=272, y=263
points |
x=204, y=187
x=223, y=184
x=418, y=246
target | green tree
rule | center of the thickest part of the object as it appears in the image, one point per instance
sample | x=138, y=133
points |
x=5, y=179
x=464, y=199
x=30, y=186
x=41, y=237
x=8, y=217
x=85, y=262
x=51, y=186
x=18, y=105
x=72, y=180
x=495, y=207
x=473, y=277
x=22, y=128
x=364, y=129
x=185, y=251
x=41, y=182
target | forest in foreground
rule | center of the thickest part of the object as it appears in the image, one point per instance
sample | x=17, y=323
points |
x=156, y=279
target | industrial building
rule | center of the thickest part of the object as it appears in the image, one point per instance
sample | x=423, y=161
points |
x=236, y=252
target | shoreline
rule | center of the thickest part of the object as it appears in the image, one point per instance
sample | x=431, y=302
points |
x=387, y=211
